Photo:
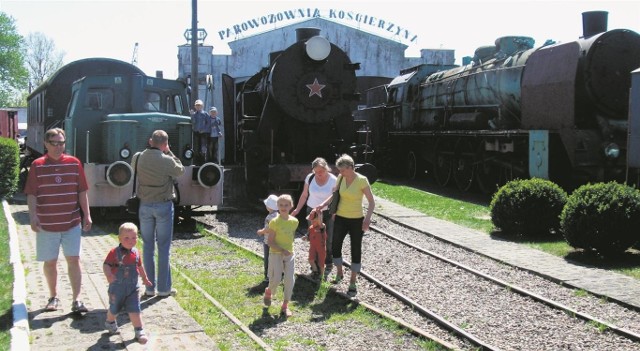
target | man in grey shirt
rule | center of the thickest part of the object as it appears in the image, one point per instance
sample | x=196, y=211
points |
x=157, y=169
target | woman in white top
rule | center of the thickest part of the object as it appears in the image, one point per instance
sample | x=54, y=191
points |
x=318, y=186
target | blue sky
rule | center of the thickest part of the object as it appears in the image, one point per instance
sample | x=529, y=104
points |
x=92, y=28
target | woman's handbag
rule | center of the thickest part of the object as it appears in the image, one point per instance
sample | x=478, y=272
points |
x=133, y=203
x=335, y=199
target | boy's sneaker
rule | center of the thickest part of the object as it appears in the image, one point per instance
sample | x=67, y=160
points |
x=173, y=292
x=141, y=336
x=267, y=297
x=78, y=307
x=286, y=311
x=112, y=327
x=353, y=290
x=326, y=275
x=337, y=279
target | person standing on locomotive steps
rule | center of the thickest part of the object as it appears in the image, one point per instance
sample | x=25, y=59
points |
x=216, y=132
x=201, y=125
x=349, y=219
x=318, y=186
x=56, y=190
x=157, y=168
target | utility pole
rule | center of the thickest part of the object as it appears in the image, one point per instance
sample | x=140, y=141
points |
x=134, y=58
x=194, y=51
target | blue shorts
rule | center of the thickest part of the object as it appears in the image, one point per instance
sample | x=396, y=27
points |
x=48, y=243
x=123, y=296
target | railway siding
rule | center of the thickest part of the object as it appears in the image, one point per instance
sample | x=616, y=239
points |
x=615, y=286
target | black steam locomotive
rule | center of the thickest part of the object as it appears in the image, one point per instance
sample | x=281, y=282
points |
x=557, y=112
x=296, y=109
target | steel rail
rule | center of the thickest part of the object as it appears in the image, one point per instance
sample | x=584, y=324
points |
x=618, y=330
x=411, y=328
x=425, y=311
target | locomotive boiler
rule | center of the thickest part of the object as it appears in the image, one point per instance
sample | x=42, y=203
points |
x=296, y=109
x=109, y=109
x=558, y=112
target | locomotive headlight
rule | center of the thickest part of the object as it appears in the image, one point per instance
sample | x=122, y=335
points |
x=209, y=174
x=318, y=48
x=188, y=154
x=612, y=151
x=119, y=174
x=125, y=152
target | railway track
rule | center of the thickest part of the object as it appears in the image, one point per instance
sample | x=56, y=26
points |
x=422, y=292
x=626, y=333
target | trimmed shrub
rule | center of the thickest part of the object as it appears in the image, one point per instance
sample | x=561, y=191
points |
x=528, y=207
x=604, y=217
x=10, y=165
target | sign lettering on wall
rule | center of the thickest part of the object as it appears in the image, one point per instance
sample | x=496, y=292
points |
x=348, y=17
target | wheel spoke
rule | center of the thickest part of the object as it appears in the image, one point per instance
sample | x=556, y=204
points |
x=443, y=162
x=464, y=165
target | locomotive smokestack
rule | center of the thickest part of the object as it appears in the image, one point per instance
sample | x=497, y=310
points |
x=303, y=34
x=594, y=22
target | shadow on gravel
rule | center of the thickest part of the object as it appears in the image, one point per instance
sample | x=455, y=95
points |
x=257, y=289
x=519, y=239
x=628, y=259
x=332, y=304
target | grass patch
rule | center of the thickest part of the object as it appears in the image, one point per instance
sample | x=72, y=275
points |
x=463, y=213
x=557, y=248
x=477, y=216
x=233, y=277
x=6, y=287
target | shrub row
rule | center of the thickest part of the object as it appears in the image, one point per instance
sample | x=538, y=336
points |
x=602, y=217
x=10, y=166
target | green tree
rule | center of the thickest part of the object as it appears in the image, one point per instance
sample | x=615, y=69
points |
x=43, y=59
x=13, y=74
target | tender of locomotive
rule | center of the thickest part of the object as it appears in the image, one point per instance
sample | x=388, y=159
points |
x=558, y=112
x=108, y=109
x=296, y=109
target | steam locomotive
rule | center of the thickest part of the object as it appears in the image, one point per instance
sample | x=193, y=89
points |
x=109, y=109
x=296, y=109
x=557, y=112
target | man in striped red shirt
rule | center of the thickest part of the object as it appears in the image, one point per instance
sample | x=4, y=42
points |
x=56, y=191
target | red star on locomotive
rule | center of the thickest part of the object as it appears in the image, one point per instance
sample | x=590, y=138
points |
x=315, y=88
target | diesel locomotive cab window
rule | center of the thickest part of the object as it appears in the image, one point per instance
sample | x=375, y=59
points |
x=152, y=101
x=99, y=99
x=177, y=104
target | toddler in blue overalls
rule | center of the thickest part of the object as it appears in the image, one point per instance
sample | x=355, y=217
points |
x=122, y=267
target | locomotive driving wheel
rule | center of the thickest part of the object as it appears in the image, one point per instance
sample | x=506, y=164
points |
x=464, y=164
x=443, y=161
x=413, y=165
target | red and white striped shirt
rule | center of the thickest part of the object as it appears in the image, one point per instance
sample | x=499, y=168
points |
x=56, y=185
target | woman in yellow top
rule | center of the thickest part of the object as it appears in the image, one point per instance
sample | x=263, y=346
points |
x=349, y=219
